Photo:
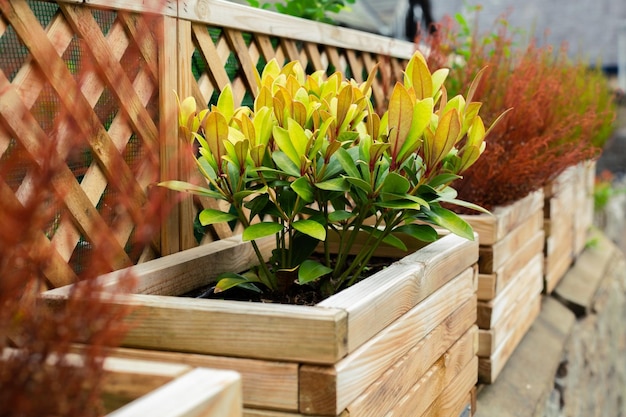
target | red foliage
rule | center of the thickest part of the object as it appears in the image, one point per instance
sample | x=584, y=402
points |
x=561, y=114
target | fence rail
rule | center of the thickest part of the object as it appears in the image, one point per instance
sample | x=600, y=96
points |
x=97, y=79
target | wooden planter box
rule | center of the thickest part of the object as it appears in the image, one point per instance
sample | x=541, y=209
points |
x=510, y=273
x=403, y=339
x=132, y=388
x=568, y=215
x=146, y=388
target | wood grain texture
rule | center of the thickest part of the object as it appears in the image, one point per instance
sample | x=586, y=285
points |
x=457, y=395
x=265, y=384
x=231, y=15
x=493, y=227
x=527, y=282
x=381, y=299
x=383, y=398
x=490, y=285
x=364, y=366
x=200, y=392
x=490, y=340
x=489, y=368
x=492, y=257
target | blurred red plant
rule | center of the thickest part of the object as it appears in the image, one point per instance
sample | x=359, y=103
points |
x=562, y=111
x=37, y=376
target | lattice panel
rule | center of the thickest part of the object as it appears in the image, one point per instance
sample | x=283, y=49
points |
x=87, y=81
x=222, y=56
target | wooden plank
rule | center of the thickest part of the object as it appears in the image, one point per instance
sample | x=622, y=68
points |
x=239, y=48
x=183, y=46
x=489, y=368
x=490, y=285
x=494, y=256
x=352, y=375
x=22, y=125
x=401, y=286
x=170, y=231
x=493, y=227
x=265, y=384
x=489, y=340
x=527, y=281
x=233, y=328
x=227, y=14
x=422, y=385
x=126, y=380
x=56, y=270
x=162, y=7
x=200, y=392
x=455, y=398
x=264, y=44
x=209, y=52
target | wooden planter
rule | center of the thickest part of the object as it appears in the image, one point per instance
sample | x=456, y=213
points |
x=132, y=388
x=509, y=279
x=146, y=388
x=402, y=341
x=568, y=214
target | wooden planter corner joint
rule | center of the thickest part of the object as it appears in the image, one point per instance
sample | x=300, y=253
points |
x=568, y=215
x=132, y=387
x=510, y=279
x=407, y=332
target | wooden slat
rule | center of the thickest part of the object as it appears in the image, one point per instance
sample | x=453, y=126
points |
x=211, y=56
x=356, y=372
x=528, y=281
x=227, y=14
x=168, y=129
x=56, y=270
x=23, y=126
x=456, y=397
x=401, y=286
x=489, y=368
x=494, y=256
x=492, y=228
x=200, y=392
x=265, y=384
x=239, y=48
x=163, y=7
x=490, y=285
x=490, y=340
x=264, y=44
x=401, y=391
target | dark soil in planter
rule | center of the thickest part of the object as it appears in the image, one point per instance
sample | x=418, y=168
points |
x=308, y=294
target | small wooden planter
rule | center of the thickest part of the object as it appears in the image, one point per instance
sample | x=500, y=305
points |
x=509, y=279
x=170, y=390
x=403, y=339
x=132, y=388
x=568, y=213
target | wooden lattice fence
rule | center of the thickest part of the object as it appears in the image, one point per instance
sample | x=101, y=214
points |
x=98, y=81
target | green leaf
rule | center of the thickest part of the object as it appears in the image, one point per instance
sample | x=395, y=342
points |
x=421, y=232
x=450, y=221
x=227, y=281
x=347, y=162
x=212, y=216
x=442, y=179
x=395, y=184
x=359, y=183
x=286, y=164
x=303, y=188
x=466, y=204
x=339, y=215
x=310, y=228
x=257, y=204
x=190, y=188
x=310, y=271
x=259, y=230
x=283, y=140
x=335, y=184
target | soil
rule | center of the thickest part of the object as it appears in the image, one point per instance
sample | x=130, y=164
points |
x=296, y=294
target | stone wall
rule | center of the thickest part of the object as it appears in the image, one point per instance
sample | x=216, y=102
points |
x=572, y=363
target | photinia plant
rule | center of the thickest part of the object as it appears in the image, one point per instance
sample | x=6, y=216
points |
x=312, y=158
